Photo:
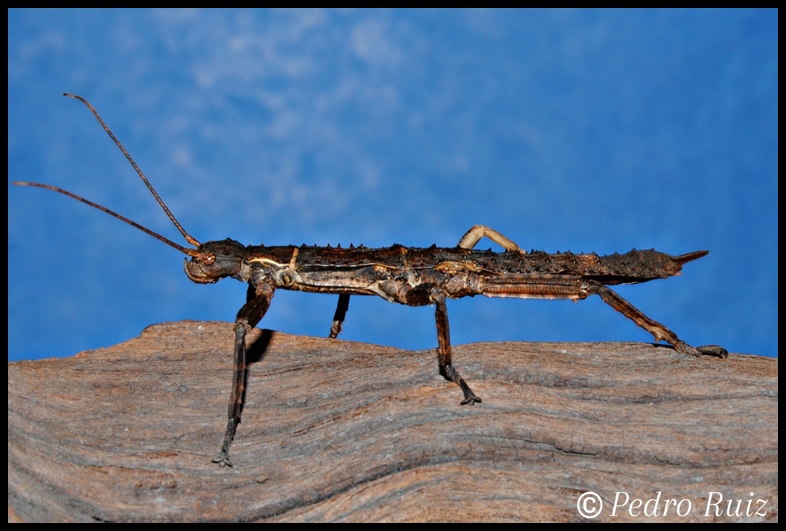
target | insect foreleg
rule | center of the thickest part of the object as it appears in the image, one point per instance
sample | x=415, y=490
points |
x=473, y=236
x=445, y=357
x=248, y=316
x=338, y=317
x=659, y=331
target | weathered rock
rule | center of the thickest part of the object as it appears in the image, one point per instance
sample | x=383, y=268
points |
x=342, y=431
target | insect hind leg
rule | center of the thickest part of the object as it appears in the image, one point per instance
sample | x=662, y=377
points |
x=659, y=331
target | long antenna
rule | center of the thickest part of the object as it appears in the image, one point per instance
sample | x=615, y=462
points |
x=190, y=239
x=186, y=250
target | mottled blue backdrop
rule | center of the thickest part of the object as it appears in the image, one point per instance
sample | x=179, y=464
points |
x=564, y=130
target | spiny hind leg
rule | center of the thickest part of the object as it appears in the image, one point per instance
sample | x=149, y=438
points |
x=473, y=236
x=338, y=317
x=445, y=357
x=655, y=328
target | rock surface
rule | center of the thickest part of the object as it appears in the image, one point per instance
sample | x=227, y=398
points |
x=342, y=431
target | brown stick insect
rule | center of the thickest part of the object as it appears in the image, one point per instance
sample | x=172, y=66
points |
x=411, y=276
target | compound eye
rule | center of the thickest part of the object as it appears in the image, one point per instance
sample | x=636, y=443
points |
x=208, y=259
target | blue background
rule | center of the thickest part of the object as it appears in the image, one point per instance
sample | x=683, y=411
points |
x=564, y=130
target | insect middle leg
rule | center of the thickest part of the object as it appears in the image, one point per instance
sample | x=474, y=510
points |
x=445, y=356
x=468, y=241
x=473, y=236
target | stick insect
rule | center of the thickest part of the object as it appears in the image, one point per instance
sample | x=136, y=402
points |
x=407, y=275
